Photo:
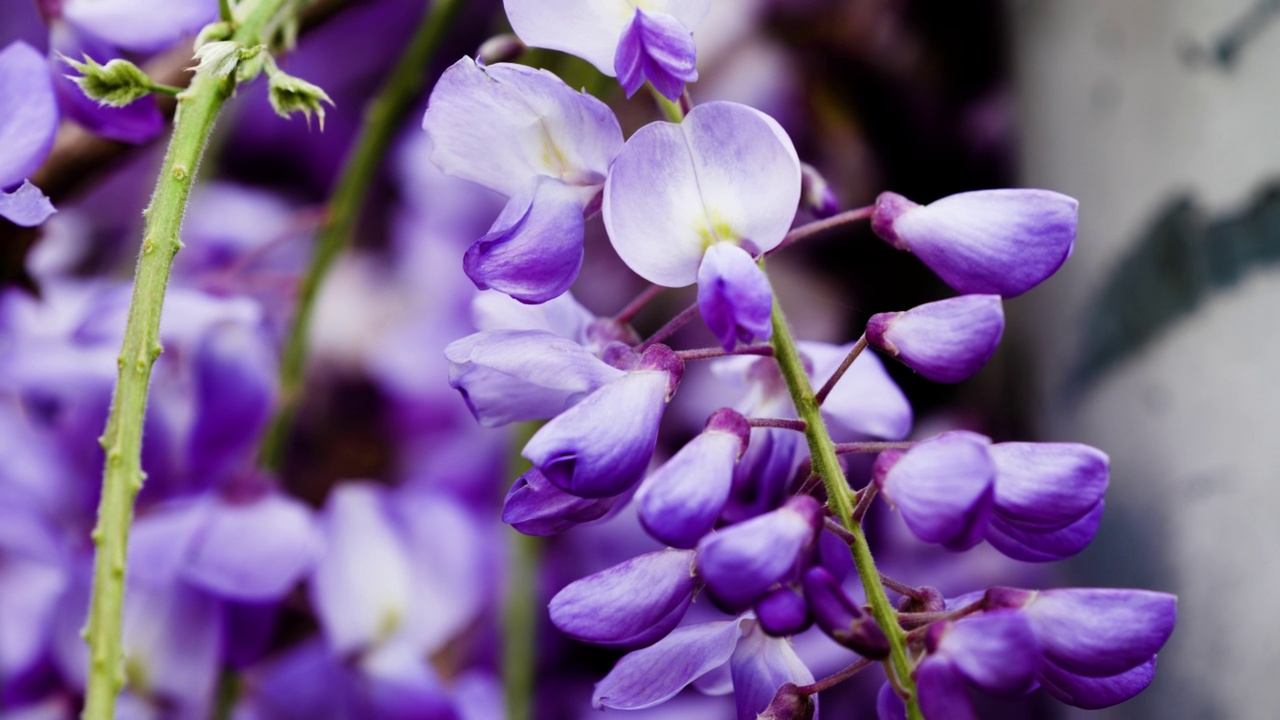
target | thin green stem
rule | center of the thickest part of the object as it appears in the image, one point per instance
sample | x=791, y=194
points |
x=382, y=117
x=672, y=111
x=840, y=499
x=519, y=613
x=198, y=109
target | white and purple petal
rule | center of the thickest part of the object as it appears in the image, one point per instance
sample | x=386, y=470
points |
x=945, y=341
x=633, y=604
x=760, y=666
x=727, y=173
x=659, y=48
x=139, y=25
x=510, y=376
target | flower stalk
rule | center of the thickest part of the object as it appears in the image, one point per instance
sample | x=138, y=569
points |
x=841, y=501
x=198, y=109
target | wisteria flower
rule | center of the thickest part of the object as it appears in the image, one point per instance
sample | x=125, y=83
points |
x=698, y=202
x=634, y=40
x=527, y=135
x=28, y=122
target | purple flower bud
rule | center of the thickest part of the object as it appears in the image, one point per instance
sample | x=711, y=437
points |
x=996, y=651
x=633, y=604
x=840, y=618
x=680, y=501
x=742, y=562
x=944, y=488
x=991, y=241
x=930, y=600
x=945, y=341
x=659, y=48
x=534, y=506
x=1048, y=486
x=734, y=296
x=601, y=446
x=789, y=704
x=783, y=612
x=816, y=194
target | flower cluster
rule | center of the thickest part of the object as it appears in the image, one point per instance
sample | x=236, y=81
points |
x=745, y=507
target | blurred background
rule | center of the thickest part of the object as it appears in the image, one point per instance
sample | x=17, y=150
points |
x=1157, y=342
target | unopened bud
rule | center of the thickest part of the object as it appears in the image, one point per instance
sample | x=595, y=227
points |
x=289, y=94
x=783, y=612
x=218, y=59
x=789, y=704
x=840, y=618
x=816, y=194
x=116, y=84
x=927, y=600
x=500, y=48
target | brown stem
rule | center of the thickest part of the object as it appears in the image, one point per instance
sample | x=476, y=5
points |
x=871, y=447
x=670, y=328
x=808, y=230
x=854, y=352
x=829, y=682
x=633, y=308
x=713, y=353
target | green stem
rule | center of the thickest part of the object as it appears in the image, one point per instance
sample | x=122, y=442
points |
x=382, y=118
x=520, y=627
x=840, y=498
x=198, y=108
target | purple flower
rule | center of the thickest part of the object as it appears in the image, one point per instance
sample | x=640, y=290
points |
x=817, y=196
x=1098, y=645
x=995, y=651
x=742, y=562
x=601, y=446
x=783, y=612
x=633, y=604
x=944, y=487
x=680, y=501
x=945, y=341
x=728, y=174
x=840, y=618
x=617, y=37
x=515, y=375
x=139, y=25
x=28, y=122
x=1002, y=242
x=534, y=506
x=527, y=135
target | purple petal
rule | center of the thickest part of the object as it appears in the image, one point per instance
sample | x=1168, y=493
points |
x=361, y=586
x=534, y=506
x=866, y=401
x=633, y=604
x=652, y=676
x=253, y=551
x=1003, y=242
x=1047, y=486
x=945, y=341
x=741, y=562
x=591, y=29
x=764, y=474
x=728, y=173
x=997, y=651
x=1094, y=693
x=658, y=48
x=942, y=692
x=28, y=115
x=734, y=297
x=510, y=376
x=397, y=683
x=1031, y=545
x=235, y=378
x=32, y=578
x=26, y=206
x=140, y=25
x=943, y=488
x=1101, y=632
x=173, y=636
x=838, y=616
x=680, y=501
x=760, y=665
x=601, y=446
x=563, y=315
x=504, y=125
x=888, y=705
x=534, y=249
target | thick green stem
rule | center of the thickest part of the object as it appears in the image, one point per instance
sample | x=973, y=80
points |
x=382, y=118
x=840, y=498
x=198, y=108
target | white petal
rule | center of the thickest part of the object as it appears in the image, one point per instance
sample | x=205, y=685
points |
x=587, y=28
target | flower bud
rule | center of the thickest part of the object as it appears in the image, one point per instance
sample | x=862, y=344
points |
x=1001, y=242
x=929, y=600
x=840, y=618
x=633, y=604
x=742, y=562
x=734, y=296
x=789, y=704
x=116, y=84
x=289, y=94
x=945, y=341
x=783, y=612
x=943, y=487
x=534, y=506
x=816, y=195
